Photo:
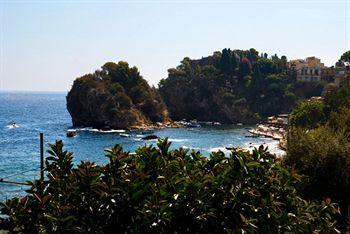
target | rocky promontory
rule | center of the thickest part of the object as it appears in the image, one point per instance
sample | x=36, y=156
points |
x=233, y=86
x=115, y=97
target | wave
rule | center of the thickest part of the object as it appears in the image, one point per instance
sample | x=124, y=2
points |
x=177, y=140
x=107, y=131
x=191, y=148
x=101, y=131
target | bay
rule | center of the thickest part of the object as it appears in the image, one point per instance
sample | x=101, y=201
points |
x=36, y=112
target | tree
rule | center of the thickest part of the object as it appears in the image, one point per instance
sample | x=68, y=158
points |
x=321, y=156
x=308, y=114
x=340, y=98
x=345, y=58
x=226, y=61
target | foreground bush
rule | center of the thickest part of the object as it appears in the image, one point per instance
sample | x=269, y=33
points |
x=158, y=190
x=318, y=147
x=324, y=156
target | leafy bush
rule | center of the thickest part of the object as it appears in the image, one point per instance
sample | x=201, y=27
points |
x=340, y=121
x=323, y=157
x=308, y=114
x=340, y=98
x=158, y=190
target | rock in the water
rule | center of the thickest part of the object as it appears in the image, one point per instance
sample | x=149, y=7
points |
x=150, y=137
x=116, y=96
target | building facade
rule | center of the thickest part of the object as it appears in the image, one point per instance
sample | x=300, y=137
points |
x=307, y=70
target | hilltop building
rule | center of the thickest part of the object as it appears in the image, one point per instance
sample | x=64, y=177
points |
x=306, y=70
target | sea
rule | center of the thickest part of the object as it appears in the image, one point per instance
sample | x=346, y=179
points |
x=43, y=112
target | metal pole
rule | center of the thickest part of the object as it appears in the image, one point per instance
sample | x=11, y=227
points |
x=41, y=156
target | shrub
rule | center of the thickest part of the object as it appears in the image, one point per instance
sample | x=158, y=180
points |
x=307, y=114
x=322, y=155
x=167, y=191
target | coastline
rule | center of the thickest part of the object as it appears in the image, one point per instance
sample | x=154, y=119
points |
x=271, y=130
x=276, y=128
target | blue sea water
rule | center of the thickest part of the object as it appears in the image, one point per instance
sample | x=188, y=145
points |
x=47, y=113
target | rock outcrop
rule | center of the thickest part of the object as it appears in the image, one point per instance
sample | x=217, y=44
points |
x=232, y=86
x=115, y=97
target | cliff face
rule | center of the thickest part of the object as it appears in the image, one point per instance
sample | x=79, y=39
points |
x=116, y=97
x=200, y=99
x=229, y=87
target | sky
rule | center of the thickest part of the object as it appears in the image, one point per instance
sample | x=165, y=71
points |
x=45, y=45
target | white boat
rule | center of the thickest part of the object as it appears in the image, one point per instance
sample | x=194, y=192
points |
x=13, y=125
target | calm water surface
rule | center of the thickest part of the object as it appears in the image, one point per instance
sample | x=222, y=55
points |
x=46, y=112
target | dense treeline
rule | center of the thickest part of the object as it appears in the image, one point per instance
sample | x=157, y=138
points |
x=318, y=147
x=116, y=96
x=232, y=86
x=167, y=191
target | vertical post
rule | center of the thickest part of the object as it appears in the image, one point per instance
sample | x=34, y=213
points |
x=41, y=156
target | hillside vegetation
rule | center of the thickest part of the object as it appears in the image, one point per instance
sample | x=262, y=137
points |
x=318, y=147
x=233, y=86
x=117, y=97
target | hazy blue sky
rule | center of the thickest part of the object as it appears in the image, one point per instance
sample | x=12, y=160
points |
x=45, y=45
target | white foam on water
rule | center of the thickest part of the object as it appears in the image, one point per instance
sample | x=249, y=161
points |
x=10, y=126
x=124, y=135
x=191, y=148
x=82, y=129
x=108, y=131
x=272, y=146
x=101, y=131
x=217, y=149
x=177, y=140
x=155, y=140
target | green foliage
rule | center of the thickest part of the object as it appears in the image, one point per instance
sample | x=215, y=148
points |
x=322, y=155
x=319, y=149
x=226, y=61
x=116, y=96
x=340, y=121
x=308, y=114
x=340, y=98
x=158, y=190
x=194, y=89
x=346, y=56
x=344, y=59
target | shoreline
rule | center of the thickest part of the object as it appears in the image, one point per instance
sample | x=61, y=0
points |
x=272, y=129
x=275, y=127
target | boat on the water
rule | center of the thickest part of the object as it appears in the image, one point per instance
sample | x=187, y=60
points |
x=71, y=133
x=124, y=135
x=13, y=125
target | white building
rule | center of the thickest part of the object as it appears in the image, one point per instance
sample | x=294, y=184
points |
x=307, y=70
